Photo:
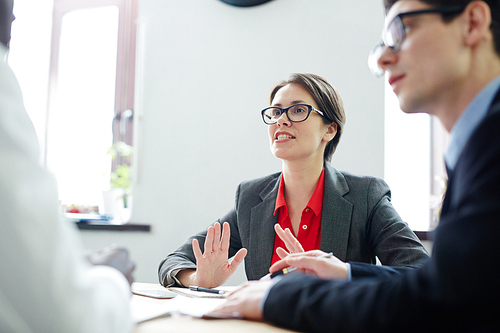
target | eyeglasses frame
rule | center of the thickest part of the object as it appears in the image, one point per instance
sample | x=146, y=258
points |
x=443, y=10
x=285, y=110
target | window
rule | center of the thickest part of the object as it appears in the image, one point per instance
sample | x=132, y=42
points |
x=91, y=94
x=414, y=164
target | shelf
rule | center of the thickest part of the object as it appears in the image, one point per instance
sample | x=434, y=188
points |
x=113, y=227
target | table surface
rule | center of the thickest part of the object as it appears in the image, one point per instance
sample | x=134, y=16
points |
x=181, y=324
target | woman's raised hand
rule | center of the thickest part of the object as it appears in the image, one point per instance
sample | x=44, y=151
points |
x=213, y=267
x=291, y=243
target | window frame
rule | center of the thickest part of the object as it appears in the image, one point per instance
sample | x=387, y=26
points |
x=125, y=65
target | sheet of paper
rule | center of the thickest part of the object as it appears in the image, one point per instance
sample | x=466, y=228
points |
x=196, y=307
x=200, y=294
x=187, y=302
x=146, y=308
x=154, y=293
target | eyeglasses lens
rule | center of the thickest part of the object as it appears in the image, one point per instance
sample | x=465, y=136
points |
x=393, y=37
x=394, y=34
x=271, y=115
x=296, y=113
x=373, y=57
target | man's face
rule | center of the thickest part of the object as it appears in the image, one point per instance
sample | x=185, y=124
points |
x=432, y=62
x=6, y=19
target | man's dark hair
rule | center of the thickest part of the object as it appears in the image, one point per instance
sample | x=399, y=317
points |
x=494, y=8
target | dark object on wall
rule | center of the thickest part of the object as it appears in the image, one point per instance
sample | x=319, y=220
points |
x=245, y=3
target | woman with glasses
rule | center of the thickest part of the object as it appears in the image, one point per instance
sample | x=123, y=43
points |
x=309, y=205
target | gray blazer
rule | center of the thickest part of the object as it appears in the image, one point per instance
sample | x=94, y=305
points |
x=358, y=223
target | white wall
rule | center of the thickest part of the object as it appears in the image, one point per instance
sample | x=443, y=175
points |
x=204, y=71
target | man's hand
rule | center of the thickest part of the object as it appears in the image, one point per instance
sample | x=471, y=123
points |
x=212, y=266
x=245, y=301
x=116, y=257
x=291, y=243
x=313, y=263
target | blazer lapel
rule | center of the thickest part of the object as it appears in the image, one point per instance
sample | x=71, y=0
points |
x=336, y=215
x=446, y=200
x=495, y=105
x=262, y=233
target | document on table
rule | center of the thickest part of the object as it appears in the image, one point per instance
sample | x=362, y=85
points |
x=146, y=308
x=200, y=294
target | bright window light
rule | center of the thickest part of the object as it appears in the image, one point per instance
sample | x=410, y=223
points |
x=80, y=117
x=407, y=162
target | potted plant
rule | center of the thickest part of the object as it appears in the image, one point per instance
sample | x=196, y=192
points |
x=121, y=177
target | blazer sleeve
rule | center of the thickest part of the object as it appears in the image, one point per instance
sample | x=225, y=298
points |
x=183, y=257
x=391, y=239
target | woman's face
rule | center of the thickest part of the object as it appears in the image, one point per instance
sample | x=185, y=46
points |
x=299, y=141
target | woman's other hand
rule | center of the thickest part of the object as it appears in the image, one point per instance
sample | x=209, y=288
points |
x=291, y=243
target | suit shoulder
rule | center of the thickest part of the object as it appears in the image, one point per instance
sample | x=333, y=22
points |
x=479, y=156
x=363, y=180
x=258, y=184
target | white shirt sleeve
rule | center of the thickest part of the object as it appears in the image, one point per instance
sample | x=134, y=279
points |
x=46, y=285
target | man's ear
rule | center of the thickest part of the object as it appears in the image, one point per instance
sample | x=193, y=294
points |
x=330, y=133
x=478, y=20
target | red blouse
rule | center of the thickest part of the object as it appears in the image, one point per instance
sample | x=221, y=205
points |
x=309, y=234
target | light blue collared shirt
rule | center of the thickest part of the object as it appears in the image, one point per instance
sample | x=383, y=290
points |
x=468, y=122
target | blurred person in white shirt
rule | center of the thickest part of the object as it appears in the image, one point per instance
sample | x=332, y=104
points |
x=47, y=284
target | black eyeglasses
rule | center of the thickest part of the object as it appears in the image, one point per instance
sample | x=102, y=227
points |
x=295, y=113
x=395, y=33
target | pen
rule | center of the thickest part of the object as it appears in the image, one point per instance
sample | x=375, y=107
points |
x=206, y=290
x=291, y=269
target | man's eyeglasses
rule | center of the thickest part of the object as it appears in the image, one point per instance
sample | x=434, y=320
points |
x=295, y=113
x=395, y=33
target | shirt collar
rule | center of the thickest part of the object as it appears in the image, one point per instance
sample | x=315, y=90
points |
x=280, y=199
x=315, y=202
x=469, y=120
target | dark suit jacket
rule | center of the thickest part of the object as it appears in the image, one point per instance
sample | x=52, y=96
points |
x=358, y=223
x=457, y=290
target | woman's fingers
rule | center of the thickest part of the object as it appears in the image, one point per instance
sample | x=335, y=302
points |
x=294, y=243
x=281, y=253
x=291, y=243
x=196, y=250
x=226, y=237
x=217, y=233
x=237, y=259
x=284, y=236
x=209, y=240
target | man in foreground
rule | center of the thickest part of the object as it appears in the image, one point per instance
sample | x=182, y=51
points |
x=46, y=284
x=442, y=57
